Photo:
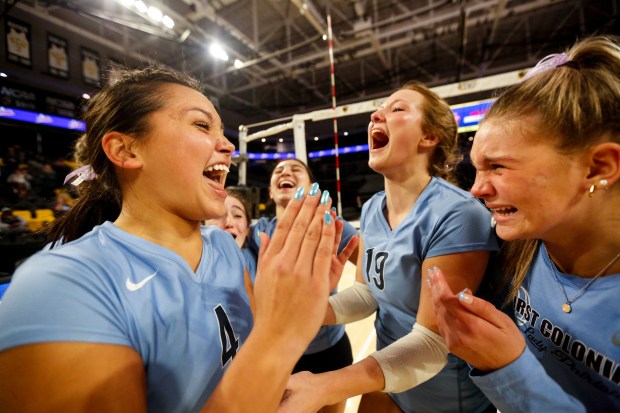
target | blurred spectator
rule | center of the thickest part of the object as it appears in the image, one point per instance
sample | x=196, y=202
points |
x=45, y=182
x=11, y=225
x=64, y=202
x=19, y=181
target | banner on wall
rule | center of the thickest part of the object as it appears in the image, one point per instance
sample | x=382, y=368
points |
x=91, y=73
x=18, y=42
x=58, y=56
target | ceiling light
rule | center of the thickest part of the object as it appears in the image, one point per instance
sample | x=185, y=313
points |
x=85, y=96
x=140, y=6
x=263, y=140
x=169, y=23
x=238, y=64
x=316, y=138
x=155, y=14
x=217, y=51
x=2, y=74
x=324, y=37
x=346, y=134
x=280, y=140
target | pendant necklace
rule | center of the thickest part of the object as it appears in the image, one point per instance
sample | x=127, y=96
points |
x=566, y=307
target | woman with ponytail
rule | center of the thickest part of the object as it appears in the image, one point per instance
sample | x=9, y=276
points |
x=134, y=308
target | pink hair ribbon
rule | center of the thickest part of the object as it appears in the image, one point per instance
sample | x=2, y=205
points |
x=85, y=173
x=548, y=62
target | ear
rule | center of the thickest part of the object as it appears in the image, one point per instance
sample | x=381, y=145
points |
x=429, y=141
x=270, y=194
x=119, y=149
x=603, y=163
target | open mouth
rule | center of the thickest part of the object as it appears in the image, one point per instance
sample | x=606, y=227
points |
x=216, y=173
x=286, y=184
x=504, y=212
x=378, y=139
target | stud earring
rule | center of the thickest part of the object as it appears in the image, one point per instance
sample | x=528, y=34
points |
x=592, y=189
x=603, y=183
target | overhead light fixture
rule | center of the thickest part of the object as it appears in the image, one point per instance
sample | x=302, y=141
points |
x=151, y=13
x=217, y=51
x=238, y=64
x=85, y=96
x=140, y=6
x=280, y=140
x=324, y=37
x=263, y=140
x=154, y=13
x=316, y=138
x=169, y=23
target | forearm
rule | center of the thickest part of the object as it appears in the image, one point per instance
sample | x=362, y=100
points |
x=353, y=304
x=524, y=386
x=362, y=377
x=257, y=376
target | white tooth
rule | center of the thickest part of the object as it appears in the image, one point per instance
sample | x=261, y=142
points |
x=209, y=169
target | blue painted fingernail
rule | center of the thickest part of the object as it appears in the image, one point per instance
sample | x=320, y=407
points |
x=257, y=236
x=328, y=218
x=299, y=193
x=325, y=197
x=339, y=218
x=314, y=189
x=465, y=298
x=334, y=209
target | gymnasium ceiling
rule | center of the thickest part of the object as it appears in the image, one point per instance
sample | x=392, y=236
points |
x=378, y=44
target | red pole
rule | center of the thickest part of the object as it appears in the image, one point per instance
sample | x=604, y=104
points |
x=333, y=83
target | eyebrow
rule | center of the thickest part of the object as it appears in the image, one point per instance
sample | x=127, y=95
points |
x=493, y=159
x=239, y=208
x=385, y=104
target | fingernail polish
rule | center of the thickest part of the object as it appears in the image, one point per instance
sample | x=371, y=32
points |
x=325, y=197
x=257, y=236
x=465, y=298
x=328, y=218
x=314, y=189
x=299, y=193
x=334, y=209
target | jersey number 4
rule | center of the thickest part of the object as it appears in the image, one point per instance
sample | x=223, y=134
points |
x=230, y=343
x=379, y=258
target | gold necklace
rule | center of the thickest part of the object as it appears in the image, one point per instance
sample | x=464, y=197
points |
x=566, y=307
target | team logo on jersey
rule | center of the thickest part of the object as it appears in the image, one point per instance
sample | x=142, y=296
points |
x=132, y=286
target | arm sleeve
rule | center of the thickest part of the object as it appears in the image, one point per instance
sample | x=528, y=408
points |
x=353, y=304
x=524, y=386
x=412, y=359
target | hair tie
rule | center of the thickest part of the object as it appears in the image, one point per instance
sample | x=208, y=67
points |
x=549, y=62
x=85, y=173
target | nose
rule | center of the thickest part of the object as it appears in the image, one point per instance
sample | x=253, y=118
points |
x=482, y=187
x=377, y=116
x=224, y=145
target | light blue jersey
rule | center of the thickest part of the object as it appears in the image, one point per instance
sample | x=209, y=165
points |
x=112, y=287
x=328, y=336
x=579, y=351
x=444, y=220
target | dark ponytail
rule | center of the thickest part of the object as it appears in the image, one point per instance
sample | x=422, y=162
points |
x=123, y=105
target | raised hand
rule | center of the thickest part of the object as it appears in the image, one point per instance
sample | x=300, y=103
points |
x=292, y=282
x=473, y=328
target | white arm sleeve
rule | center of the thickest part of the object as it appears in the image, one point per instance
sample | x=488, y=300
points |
x=412, y=360
x=353, y=304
